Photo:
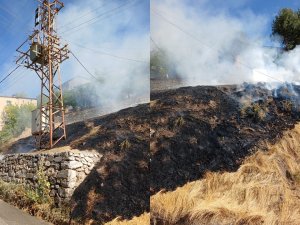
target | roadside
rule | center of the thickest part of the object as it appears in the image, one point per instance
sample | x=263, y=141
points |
x=10, y=215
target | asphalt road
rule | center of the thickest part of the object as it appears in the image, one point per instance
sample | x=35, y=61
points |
x=9, y=215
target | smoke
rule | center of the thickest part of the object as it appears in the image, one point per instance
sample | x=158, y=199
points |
x=108, y=46
x=97, y=32
x=210, y=46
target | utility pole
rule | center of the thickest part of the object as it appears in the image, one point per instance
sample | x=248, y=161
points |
x=43, y=53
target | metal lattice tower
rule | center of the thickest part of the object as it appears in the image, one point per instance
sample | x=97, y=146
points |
x=43, y=53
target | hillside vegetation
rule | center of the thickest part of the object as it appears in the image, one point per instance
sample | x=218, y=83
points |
x=16, y=119
x=118, y=185
x=264, y=190
x=144, y=219
x=200, y=129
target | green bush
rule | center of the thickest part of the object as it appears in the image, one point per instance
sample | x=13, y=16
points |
x=40, y=194
x=16, y=120
x=287, y=25
x=287, y=105
x=21, y=196
x=255, y=111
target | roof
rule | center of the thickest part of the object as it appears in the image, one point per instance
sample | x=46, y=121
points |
x=25, y=98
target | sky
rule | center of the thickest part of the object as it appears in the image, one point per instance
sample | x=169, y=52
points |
x=111, y=38
x=267, y=9
x=214, y=42
x=241, y=9
x=123, y=32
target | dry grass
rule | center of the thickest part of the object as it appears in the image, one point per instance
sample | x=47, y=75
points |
x=144, y=219
x=18, y=195
x=92, y=132
x=265, y=190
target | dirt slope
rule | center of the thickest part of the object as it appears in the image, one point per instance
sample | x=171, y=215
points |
x=118, y=185
x=199, y=129
x=264, y=190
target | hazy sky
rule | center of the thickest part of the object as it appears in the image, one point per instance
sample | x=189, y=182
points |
x=213, y=42
x=116, y=27
x=240, y=9
x=122, y=32
x=265, y=8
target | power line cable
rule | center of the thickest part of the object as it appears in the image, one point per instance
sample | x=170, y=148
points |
x=108, y=16
x=83, y=66
x=13, y=82
x=197, y=39
x=109, y=54
x=84, y=15
x=97, y=17
x=156, y=45
x=9, y=74
x=12, y=79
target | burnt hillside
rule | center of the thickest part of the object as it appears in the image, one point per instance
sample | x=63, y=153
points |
x=118, y=185
x=199, y=129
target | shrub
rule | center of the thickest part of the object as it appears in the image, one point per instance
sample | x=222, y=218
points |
x=125, y=145
x=179, y=121
x=18, y=195
x=36, y=201
x=286, y=105
x=255, y=111
x=40, y=194
x=16, y=120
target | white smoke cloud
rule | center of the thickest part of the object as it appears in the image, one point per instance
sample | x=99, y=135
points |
x=119, y=33
x=210, y=46
x=122, y=32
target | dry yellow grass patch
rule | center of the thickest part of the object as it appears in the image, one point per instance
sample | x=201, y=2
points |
x=144, y=219
x=265, y=190
x=92, y=132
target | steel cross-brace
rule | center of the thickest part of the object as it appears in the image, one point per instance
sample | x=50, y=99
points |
x=43, y=53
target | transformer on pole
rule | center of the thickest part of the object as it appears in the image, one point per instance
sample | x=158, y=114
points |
x=43, y=53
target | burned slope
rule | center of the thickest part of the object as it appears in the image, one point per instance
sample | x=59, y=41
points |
x=118, y=185
x=264, y=190
x=199, y=129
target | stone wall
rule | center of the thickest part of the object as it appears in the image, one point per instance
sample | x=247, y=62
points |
x=64, y=170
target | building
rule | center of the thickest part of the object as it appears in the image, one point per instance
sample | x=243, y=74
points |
x=74, y=82
x=5, y=100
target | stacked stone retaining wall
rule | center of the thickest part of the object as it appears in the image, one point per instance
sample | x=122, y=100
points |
x=64, y=170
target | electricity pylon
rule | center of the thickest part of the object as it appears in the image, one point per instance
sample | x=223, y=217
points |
x=43, y=53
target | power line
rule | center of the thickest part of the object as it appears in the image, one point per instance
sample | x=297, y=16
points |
x=156, y=45
x=11, y=23
x=99, y=16
x=98, y=20
x=84, y=66
x=9, y=74
x=84, y=15
x=208, y=46
x=109, y=54
x=14, y=81
x=105, y=53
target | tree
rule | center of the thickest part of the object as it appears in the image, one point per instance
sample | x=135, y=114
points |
x=158, y=63
x=16, y=120
x=287, y=25
x=83, y=96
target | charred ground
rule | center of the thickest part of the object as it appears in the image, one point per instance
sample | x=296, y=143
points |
x=118, y=185
x=199, y=129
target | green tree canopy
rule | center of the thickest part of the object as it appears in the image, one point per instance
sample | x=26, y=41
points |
x=158, y=63
x=16, y=120
x=287, y=25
